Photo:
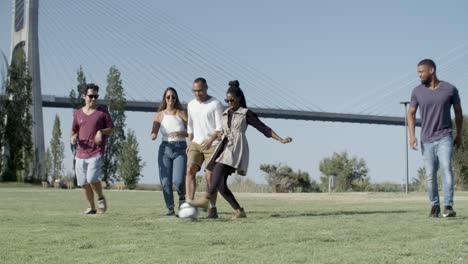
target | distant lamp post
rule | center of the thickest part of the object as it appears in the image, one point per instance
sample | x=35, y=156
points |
x=406, y=142
x=331, y=181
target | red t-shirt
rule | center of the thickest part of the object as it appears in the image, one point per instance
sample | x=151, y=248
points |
x=87, y=126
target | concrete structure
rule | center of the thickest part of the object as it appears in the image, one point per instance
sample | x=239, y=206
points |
x=25, y=42
x=145, y=106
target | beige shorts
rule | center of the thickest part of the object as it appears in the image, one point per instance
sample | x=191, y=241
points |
x=196, y=155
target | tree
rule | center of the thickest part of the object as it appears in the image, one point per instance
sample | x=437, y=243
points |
x=77, y=102
x=75, y=96
x=47, y=165
x=57, y=150
x=130, y=161
x=419, y=183
x=17, y=134
x=2, y=129
x=2, y=132
x=3, y=98
x=284, y=179
x=351, y=172
x=115, y=101
x=460, y=159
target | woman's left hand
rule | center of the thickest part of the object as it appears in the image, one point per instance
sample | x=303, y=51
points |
x=286, y=140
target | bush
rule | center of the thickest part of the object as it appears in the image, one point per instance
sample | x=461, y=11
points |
x=283, y=179
x=351, y=172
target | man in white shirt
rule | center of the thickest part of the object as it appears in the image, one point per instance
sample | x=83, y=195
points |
x=203, y=128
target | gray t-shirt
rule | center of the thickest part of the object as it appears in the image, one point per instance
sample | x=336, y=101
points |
x=434, y=106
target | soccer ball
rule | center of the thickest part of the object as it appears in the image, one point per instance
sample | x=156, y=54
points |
x=186, y=211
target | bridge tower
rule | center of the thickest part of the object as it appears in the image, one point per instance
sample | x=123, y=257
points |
x=25, y=42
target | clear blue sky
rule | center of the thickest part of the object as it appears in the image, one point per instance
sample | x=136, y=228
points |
x=339, y=55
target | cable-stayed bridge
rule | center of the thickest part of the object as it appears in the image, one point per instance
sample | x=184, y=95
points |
x=153, y=51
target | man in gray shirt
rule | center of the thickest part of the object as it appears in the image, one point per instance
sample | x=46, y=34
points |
x=435, y=99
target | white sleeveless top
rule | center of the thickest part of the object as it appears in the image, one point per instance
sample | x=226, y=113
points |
x=169, y=124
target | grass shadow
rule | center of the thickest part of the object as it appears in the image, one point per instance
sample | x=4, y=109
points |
x=335, y=213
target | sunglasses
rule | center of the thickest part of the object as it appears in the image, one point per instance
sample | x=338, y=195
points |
x=93, y=96
x=229, y=100
x=170, y=97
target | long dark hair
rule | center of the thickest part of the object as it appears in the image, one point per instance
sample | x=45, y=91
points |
x=234, y=89
x=177, y=104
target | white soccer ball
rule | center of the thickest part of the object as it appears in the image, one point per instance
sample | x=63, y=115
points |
x=186, y=211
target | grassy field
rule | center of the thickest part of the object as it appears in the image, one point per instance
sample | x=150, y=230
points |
x=45, y=226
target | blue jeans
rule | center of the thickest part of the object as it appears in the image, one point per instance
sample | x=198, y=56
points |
x=435, y=154
x=172, y=161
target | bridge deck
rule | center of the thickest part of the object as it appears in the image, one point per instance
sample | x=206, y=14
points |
x=143, y=106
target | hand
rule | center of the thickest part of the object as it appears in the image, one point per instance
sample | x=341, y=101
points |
x=174, y=134
x=73, y=139
x=206, y=144
x=414, y=143
x=98, y=138
x=153, y=136
x=220, y=135
x=457, y=142
x=286, y=140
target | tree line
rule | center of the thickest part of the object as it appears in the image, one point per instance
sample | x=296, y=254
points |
x=121, y=162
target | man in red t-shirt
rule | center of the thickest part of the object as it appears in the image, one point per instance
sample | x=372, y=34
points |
x=91, y=125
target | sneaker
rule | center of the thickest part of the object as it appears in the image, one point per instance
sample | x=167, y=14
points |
x=90, y=211
x=201, y=203
x=240, y=213
x=435, y=211
x=170, y=212
x=102, y=205
x=181, y=201
x=212, y=213
x=449, y=212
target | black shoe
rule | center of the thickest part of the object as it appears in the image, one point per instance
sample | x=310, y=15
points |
x=449, y=212
x=435, y=211
x=170, y=212
x=90, y=211
x=212, y=213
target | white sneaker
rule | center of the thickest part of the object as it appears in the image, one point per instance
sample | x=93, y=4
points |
x=102, y=205
x=90, y=211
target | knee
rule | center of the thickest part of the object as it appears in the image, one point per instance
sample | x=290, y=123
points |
x=179, y=181
x=191, y=171
x=223, y=189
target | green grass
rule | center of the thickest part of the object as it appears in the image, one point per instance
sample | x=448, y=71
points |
x=45, y=226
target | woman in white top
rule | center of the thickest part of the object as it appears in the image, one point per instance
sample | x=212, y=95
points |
x=171, y=121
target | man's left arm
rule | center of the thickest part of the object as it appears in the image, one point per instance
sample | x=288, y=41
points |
x=458, y=123
x=107, y=130
x=109, y=125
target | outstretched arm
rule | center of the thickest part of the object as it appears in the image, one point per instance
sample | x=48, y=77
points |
x=253, y=120
x=278, y=138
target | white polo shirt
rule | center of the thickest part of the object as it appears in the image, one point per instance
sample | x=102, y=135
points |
x=204, y=118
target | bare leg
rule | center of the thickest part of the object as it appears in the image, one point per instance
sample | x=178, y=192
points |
x=89, y=195
x=97, y=187
x=190, y=183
